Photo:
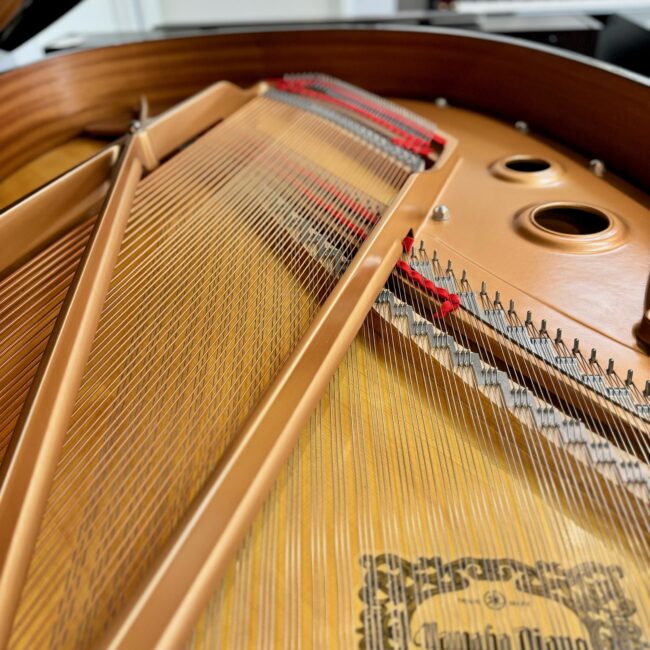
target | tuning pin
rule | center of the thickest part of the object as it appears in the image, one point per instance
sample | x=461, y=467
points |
x=628, y=380
x=576, y=346
x=463, y=276
x=422, y=250
x=511, y=307
x=529, y=318
x=483, y=288
x=558, y=336
x=435, y=256
x=497, y=298
x=448, y=266
x=542, y=329
x=646, y=390
x=610, y=366
x=592, y=356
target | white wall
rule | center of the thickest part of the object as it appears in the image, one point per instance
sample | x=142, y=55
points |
x=202, y=11
x=213, y=11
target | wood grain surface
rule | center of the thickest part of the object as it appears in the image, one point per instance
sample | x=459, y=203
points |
x=597, y=113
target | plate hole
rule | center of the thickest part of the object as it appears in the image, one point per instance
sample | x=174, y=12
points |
x=527, y=165
x=572, y=220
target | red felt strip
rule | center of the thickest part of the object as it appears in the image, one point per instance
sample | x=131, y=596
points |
x=450, y=301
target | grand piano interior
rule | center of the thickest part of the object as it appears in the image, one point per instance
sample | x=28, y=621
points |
x=325, y=325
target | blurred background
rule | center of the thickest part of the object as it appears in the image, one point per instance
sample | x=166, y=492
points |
x=614, y=31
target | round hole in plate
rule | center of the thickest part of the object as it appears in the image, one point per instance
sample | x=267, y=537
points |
x=527, y=165
x=574, y=220
x=525, y=169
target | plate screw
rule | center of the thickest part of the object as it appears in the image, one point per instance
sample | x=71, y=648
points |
x=597, y=167
x=440, y=213
x=441, y=102
x=521, y=126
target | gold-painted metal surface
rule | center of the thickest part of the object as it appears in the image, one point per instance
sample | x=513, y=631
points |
x=612, y=236
x=53, y=208
x=549, y=172
x=187, y=120
x=597, y=297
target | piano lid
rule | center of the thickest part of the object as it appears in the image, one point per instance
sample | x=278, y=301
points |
x=22, y=19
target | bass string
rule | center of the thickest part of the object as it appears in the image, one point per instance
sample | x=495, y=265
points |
x=27, y=290
x=31, y=298
x=35, y=273
x=120, y=294
x=267, y=606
